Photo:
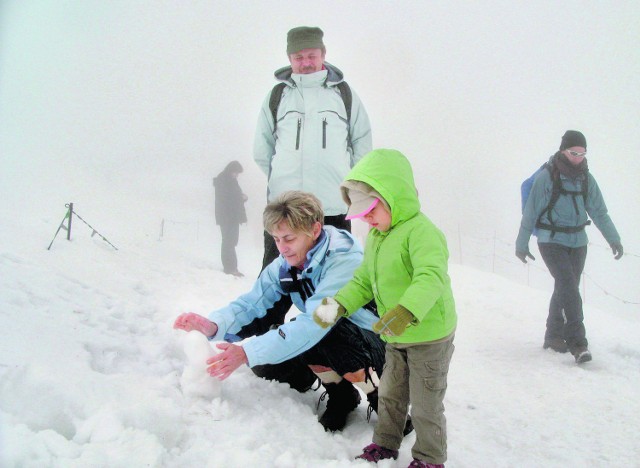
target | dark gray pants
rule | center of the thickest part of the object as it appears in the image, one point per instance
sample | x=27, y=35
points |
x=230, y=234
x=565, y=265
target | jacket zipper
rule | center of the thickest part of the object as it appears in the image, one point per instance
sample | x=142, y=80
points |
x=374, y=285
x=324, y=133
x=298, y=134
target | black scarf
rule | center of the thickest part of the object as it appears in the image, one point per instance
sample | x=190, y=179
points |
x=571, y=171
x=291, y=281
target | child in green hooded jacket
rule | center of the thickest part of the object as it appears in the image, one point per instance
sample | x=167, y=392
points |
x=405, y=271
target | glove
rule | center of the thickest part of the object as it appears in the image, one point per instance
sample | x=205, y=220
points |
x=523, y=255
x=394, y=322
x=328, y=313
x=616, y=248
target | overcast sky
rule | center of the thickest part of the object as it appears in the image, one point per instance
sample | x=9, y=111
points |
x=156, y=97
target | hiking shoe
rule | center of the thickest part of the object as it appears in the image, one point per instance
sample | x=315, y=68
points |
x=343, y=399
x=581, y=354
x=372, y=398
x=421, y=464
x=375, y=453
x=557, y=344
x=235, y=273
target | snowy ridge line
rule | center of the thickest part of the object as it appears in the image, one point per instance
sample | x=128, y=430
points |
x=494, y=248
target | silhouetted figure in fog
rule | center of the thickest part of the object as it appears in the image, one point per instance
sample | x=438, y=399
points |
x=230, y=213
x=561, y=200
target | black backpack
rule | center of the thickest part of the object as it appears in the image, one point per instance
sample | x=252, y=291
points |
x=556, y=191
x=345, y=94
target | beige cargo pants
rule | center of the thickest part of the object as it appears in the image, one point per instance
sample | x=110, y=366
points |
x=416, y=374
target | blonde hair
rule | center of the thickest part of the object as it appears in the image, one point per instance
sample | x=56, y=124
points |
x=300, y=210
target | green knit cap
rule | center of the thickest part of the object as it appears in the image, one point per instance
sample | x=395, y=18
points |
x=304, y=37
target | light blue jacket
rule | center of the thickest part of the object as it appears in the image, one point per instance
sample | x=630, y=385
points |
x=330, y=264
x=309, y=150
x=564, y=213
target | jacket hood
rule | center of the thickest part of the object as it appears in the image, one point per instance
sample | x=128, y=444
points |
x=389, y=173
x=334, y=241
x=334, y=74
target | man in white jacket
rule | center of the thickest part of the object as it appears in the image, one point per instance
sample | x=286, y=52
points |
x=313, y=144
x=316, y=136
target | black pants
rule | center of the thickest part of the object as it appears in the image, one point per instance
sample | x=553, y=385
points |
x=346, y=348
x=230, y=234
x=275, y=316
x=565, y=265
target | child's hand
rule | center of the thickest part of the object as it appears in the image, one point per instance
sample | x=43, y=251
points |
x=394, y=322
x=328, y=312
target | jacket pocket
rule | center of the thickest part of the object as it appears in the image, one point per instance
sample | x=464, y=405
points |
x=298, y=130
x=324, y=133
x=334, y=132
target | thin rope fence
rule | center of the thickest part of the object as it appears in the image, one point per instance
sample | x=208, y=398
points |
x=492, y=253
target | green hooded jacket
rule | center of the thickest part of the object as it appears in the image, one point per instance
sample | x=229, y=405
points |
x=407, y=264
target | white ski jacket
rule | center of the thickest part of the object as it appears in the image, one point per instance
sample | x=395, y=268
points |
x=312, y=147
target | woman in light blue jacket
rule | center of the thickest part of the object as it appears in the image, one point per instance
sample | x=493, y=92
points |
x=314, y=262
x=562, y=199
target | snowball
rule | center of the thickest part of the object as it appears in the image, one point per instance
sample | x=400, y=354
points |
x=195, y=380
x=328, y=313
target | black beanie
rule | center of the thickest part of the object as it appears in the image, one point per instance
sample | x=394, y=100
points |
x=573, y=138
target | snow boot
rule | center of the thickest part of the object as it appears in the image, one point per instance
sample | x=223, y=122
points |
x=581, y=354
x=374, y=453
x=373, y=406
x=343, y=399
x=556, y=343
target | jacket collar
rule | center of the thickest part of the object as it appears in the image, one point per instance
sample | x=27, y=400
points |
x=333, y=75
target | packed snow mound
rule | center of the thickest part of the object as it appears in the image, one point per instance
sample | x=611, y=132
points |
x=195, y=381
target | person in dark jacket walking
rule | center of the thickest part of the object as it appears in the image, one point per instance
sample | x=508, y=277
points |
x=562, y=239
x=230, y=214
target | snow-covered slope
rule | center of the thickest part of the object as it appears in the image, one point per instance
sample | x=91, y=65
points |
x=91, y=372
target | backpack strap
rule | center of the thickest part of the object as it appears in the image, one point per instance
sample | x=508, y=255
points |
x=556, y=191
x=274, y=103
x=347, y=98
x=585, y=187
